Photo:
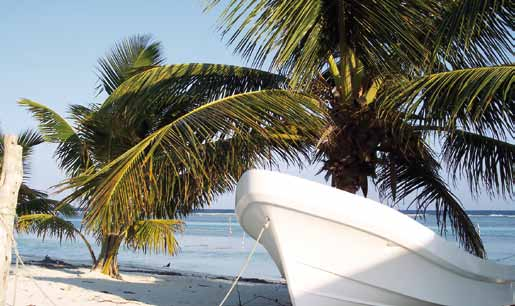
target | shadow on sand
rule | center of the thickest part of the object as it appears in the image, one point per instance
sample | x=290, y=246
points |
x=175, y=289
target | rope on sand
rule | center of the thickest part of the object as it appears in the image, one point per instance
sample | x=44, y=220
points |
x=245, y=265
x=19, y=260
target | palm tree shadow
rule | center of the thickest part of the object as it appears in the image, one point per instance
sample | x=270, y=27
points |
x=175, y=290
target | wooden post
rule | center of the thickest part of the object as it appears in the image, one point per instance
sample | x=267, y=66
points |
x=10, y=182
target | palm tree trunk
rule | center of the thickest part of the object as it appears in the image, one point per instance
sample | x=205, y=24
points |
x=90, y=249
x=351, y=166
x=10, y=182
x=352, y=149
x=107, y=262
x=345, y=181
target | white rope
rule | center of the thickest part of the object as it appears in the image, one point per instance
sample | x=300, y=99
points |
x=245, y=265
x=15, y=281
x=18, y=259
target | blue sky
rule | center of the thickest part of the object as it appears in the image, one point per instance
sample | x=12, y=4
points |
x=50, y=50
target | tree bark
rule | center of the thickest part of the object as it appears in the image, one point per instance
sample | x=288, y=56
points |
x=107, y=262
x=86, y=242
x=10, y=182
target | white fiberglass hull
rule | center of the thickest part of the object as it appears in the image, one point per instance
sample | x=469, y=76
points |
x=336, y=248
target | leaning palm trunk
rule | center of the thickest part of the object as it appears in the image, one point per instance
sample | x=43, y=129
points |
x=107, y=262
x=10, y=182
x=86, y=242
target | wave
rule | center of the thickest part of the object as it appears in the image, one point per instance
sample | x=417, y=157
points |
x=494, y=215
x=214, y=214
x=471, y=213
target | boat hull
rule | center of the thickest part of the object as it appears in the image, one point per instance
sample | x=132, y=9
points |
x=336, y=257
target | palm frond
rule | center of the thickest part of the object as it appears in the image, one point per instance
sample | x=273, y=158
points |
x=176, y=153
x=35, y=206
x=298, y=36
x=415, y=173
x=71, y=153
x=155, y=97
x=195, y=82
x=53, y=127
x=127, y=58
x=80, y=113
x=64, y=209
x=486, y=163
x=477, y=99
x=73, y=156
x=26, y=193
x=155, y=235
x=28, y=139
x=474, y=33
x=44, y=225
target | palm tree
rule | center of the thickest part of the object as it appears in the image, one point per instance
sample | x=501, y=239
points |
x=389, y=76
x=140, y=234
x=178, y=149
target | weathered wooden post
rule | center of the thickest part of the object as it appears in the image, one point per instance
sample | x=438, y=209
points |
x=10, y=182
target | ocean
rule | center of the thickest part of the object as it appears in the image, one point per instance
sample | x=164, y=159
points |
x=214, y=243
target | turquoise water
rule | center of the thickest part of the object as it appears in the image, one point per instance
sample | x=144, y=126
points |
x=214, y=243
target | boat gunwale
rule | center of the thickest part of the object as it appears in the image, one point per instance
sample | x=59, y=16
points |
x=419, y=249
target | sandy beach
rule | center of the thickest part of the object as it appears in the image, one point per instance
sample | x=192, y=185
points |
x=78, y=286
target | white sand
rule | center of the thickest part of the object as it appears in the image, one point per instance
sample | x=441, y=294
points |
x=79, y=286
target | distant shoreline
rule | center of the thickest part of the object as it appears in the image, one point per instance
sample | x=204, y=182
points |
x=472, y=212
x=405, y=211
x=51, y=263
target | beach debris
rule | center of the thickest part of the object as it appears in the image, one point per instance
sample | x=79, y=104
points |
x=49, y=262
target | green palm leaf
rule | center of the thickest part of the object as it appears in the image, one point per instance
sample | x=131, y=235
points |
x=478, y=99
x=53, y=127
x=154, y=236
x=26, y=193
x=486, y=163
x=474, y=33
x=43, y=205
x=128, y=57
x=46, y=225
x=27, y=196
x=176, y=153
x=194, y=83
x=298, y=36
x=153, y=98
x=28, y=139
x=403, y=175
x=71, y=152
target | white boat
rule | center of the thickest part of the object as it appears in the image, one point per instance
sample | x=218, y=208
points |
x=337, y=248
